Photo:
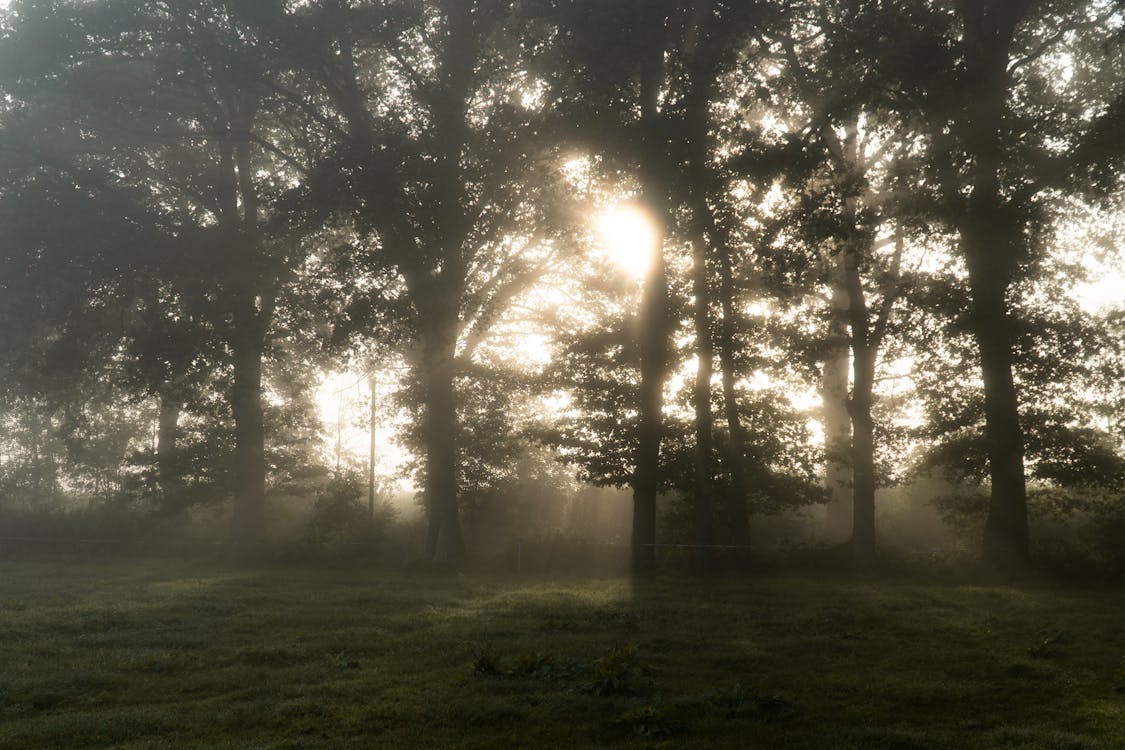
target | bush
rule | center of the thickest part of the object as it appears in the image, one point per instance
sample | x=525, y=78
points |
x=341, y=521
x=92, y=529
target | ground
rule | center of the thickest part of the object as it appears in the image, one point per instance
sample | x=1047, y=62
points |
x=154, y=654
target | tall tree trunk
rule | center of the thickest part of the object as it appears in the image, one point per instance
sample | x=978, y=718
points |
x=863, y=425
x=652, y=317
x=834, y=403
x=697, y=119
x=167, y=438
x=701, y=400
x=444, y=542
x=653, y=354
x=252, y=310
x=737, y=443
x=1006, y=529
x=704, y=64
x=372, y=385
x=990, y=237
x=248, y=522
x=858, y=248
x=35, y=452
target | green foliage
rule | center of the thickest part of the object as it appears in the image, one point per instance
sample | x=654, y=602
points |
x=620, y=671
x=300, y=181
x=1077, y=529
x=341, y=521
x=598, y=369
x=535, y=664
x=964, y=510
x=96, y=529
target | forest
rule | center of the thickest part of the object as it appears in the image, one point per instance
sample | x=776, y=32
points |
x=562, y=374
x=749, y=266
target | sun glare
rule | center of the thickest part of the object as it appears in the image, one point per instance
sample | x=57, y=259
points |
x=629, y=238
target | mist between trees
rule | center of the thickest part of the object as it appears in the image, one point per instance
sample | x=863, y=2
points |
x=876, y=291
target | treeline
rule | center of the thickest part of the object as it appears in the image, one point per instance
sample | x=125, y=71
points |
x=891, y=208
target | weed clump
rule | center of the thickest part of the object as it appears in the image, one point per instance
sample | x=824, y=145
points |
x=486, y=659
x=619, y=672
x=535, y=664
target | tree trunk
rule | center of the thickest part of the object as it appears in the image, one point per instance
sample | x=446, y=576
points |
x=991, y=235
x=372, y=384
x=35, y=452
x=858, y=248
x=252, y=309
x=248, y=523
x=697, y=120
x=863, y=430
x=1005, y=531
x=167, y=437
x=837, y=421
x=652, y=316
x=444, y=543
x=736, y=444
x=653, y=354
x=701, y=398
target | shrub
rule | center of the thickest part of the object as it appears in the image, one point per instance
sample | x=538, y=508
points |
x=341, y=521
x=620, y=671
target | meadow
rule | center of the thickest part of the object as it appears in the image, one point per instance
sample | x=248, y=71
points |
x=175, y=654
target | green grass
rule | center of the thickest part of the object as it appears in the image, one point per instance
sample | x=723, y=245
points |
x=172, y=655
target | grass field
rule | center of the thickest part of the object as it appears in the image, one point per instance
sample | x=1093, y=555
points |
x=174, y=654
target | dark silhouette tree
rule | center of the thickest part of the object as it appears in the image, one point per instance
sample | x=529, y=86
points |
x=169, y=107
x=1002, y=138
x=438, y=166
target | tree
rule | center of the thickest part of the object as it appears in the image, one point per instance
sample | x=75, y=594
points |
x=204, y=169
x=437, y=166
x=638, y=95
x=1001, y=139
